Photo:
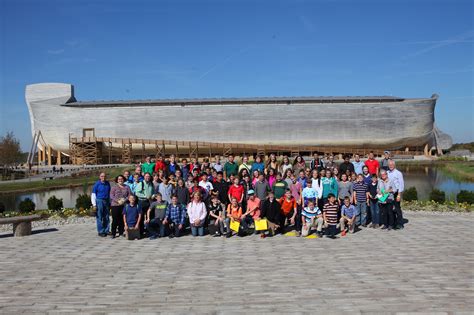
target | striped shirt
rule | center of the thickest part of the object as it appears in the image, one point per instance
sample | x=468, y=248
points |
x=331, y=210
x=360, y=189
x=308, y=214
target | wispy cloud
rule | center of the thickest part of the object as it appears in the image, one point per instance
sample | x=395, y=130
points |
x=55, y=51
x=226, y=60
x=307, y=23
x=461, y=38
x=438, y=71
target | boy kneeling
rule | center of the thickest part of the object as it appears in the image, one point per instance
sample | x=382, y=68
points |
x=348, y=215
x=131, y=219
x=311, y=217
x=175, y=217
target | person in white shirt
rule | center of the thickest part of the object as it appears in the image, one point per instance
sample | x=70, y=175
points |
x=217, y=164
x=197, y=213
x=399, y=186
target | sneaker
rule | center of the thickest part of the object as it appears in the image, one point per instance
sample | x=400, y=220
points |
x=262, y=235
x=376, y=226
x=320, y=234
x=216, y=235
x=343, y=233
x=298, y=233
x=112, y=236
x=389, y=228
x=171, y=235
x=384, y=227
x=153, y=237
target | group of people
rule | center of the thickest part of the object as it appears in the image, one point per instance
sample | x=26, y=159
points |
x=166, y=197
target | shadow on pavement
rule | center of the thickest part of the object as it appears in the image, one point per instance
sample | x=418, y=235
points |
x=39, y=231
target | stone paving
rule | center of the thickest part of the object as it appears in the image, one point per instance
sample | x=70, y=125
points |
x=428, y=267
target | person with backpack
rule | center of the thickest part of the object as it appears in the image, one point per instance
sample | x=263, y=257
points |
x=143, y=191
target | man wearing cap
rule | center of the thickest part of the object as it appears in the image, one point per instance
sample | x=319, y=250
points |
x=253, y=209
x=386, y=159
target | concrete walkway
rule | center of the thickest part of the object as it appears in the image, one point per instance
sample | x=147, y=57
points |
x=427, y=267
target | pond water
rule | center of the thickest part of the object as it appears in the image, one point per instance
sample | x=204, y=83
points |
x=424, y=178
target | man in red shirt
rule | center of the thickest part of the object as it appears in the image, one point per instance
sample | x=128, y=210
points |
x=289, y=210
x=159, y=165
x=372, y=164
x=236, y=191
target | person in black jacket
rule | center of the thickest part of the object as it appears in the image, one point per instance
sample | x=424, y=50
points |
x=271, y=211
x=222, y=187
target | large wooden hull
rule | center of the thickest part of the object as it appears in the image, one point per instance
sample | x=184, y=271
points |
x=391, y=125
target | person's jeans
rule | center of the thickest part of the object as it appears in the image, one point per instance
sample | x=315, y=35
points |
x=361, y=213
x=197, y=230
x=246, y=222
x=220, y=226
x=397, y=212
x=375, y=211
x=387, y=213
x=288, y=216
x=331, y=230
x=117, y=219
x=102, y=216
x=156, y=226
x=143, y=205
x=175, y=227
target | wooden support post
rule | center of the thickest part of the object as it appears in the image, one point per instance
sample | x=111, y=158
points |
x=143, y=151
x=177, y=149
x=110, y=152
x=49, y=155
x=58, y=159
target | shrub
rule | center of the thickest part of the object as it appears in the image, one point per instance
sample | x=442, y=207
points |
x=465, y=196
x=2, y=207
x=438, y=196
x=26, y=206
x=83, y=201
x=410, y=194
x=54, y=203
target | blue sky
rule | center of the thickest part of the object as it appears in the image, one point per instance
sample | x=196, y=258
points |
x=177, y=49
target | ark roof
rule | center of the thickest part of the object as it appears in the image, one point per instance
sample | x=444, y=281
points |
x=233, y=101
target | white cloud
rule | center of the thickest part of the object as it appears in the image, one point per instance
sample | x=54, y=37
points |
x=55, y=51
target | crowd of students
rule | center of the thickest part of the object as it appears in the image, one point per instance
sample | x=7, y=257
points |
x=166, y=197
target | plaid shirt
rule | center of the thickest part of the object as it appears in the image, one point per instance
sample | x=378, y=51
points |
x=176, y=214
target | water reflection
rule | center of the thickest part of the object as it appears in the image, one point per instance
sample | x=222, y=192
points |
x=426, y=178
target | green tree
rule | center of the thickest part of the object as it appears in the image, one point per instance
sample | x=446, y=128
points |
x=10, y=152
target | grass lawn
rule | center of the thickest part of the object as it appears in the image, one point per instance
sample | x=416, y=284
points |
x=460, y=170
x=60, y=182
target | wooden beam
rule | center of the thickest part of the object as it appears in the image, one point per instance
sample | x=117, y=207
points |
x=49, y=155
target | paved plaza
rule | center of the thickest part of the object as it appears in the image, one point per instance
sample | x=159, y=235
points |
x=427, y=267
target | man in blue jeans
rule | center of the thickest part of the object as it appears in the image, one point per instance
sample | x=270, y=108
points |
x=360, y=190
x=100, y=198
